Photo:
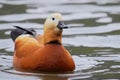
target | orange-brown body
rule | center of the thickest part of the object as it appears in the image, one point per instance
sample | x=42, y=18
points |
x=34, y=54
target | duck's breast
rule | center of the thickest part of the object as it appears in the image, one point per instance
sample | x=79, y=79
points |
x=54, y=58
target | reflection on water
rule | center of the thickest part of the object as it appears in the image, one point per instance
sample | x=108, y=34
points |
x=93, y=37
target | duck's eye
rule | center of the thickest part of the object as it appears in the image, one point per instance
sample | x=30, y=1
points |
x=53, y=19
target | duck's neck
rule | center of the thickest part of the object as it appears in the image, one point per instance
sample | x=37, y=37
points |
x=51, y=37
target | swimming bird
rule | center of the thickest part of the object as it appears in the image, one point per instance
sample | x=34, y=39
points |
x=42, y=53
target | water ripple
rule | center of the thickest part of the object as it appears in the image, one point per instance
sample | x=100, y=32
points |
x=1, y=5
x=104, y=20
x=21, y=2
x=21, y=17
x=25, y=25
x=5, y=43
x=93, y=30
x=94, y=41
x=94, y=1
x=115, y=9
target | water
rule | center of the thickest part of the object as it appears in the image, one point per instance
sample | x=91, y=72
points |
x=93, y=38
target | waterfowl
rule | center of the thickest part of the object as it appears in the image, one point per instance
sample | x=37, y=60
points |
x=42, y=52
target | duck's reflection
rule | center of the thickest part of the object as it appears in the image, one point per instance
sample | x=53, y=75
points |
x=53, y=78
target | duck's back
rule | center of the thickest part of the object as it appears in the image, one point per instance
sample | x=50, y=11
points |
x=25, y=46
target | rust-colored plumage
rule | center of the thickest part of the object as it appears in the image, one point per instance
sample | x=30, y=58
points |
x=43, y=52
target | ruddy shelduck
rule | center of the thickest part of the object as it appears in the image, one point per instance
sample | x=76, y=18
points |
x=43, y=53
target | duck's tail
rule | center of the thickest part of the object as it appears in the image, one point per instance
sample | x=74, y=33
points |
x=19, y=31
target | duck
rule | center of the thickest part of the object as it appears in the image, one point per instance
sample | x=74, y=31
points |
x=42, y=53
